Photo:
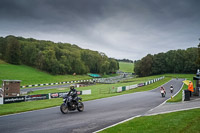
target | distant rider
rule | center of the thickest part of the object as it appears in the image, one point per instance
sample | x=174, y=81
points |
x=171, y=87
x=73, y=93
x=162, y=88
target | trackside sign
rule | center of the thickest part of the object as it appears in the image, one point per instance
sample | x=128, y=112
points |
x=14, y=99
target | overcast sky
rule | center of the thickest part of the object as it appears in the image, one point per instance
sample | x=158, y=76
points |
x=120, y=28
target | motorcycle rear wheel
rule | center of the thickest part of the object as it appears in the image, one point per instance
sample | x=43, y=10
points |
x=64, y=108
x=80, y=107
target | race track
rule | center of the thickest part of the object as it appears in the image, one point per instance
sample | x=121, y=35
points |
x=97, y=114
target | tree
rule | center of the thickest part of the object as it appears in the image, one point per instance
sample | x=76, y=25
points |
x=146, y=65
x=13, y=51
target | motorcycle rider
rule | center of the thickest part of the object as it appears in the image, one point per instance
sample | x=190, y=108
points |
x=162, y=88
x=171, y=88
x=73, y=93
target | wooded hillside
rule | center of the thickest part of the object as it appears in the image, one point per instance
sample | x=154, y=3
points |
x=55, y=58
x=173, y=61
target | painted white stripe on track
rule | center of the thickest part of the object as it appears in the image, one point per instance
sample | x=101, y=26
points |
x=117, y=123
x=172, y=111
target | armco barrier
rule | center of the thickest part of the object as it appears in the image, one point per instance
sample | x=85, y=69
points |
x=124, y=88
x=66, y=82
x=41, y=96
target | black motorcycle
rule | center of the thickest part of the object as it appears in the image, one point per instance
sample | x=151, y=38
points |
x=71, y=104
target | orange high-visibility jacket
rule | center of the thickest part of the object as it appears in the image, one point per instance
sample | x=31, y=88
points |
x=190, y=87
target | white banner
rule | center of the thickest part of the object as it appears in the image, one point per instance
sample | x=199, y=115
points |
x=133, y=86
x=1, y=100
x=119, y=89
x=1, y=96
x=86, y=92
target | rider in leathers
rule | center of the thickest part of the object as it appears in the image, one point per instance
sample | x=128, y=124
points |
x=73, y=93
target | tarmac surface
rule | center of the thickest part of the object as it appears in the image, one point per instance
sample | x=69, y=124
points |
x=177, y=106
x=98, y=113
x=44, y=88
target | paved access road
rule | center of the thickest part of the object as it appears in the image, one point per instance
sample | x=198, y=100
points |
x=97, y=115
x=44, y=88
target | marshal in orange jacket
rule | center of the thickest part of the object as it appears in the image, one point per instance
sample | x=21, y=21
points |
x=190, y=87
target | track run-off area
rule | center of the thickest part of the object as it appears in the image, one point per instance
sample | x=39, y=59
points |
x=97, y=115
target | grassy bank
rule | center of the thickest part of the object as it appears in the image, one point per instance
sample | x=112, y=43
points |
x=126, y=67
x=177, y=122
x=30, y=75
x=98, y=91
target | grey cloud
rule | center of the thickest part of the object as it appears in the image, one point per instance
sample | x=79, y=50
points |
x=120, y=28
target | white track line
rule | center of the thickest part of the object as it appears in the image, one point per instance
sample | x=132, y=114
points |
x=117, y=123
x=172, y=111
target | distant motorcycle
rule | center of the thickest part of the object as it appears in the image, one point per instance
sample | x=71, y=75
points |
x=71, y=105
x=171, y=89
x=162, y=93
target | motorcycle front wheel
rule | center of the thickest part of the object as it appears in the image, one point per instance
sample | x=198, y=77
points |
x=80, y=107
x=64, y=108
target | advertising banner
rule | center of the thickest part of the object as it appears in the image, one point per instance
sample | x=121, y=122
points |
x=62, y=94
x=14, y=99
x=37, y=97
x=140, y=84
x=54, y=95
x=86, y=92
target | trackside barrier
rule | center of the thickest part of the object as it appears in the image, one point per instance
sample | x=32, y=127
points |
x=1, y=100
x=39, y=97
x=125, y=88
x=66, y=82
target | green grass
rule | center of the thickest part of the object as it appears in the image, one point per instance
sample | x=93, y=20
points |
x=176, y=122
x=30, y=76
x=126, y=67
x=109, y=75
x=98, y=91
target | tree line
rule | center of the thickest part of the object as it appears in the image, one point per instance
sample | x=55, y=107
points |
x=173, y=61
x=55, y=58
x=124, y=60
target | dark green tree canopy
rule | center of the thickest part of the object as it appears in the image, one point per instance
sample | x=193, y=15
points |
x=55, y=58
x=173, y=61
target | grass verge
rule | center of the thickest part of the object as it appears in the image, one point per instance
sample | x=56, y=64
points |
x=176, y=122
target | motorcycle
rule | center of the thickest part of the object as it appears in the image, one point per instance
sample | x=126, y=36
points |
x=71, y=105
x=162, y=93
x=171, y=89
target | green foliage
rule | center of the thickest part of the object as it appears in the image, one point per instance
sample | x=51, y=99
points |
x=12, y=50
x=176, y=122
x=55, y=58
x=173, y=61
x=126, y=67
